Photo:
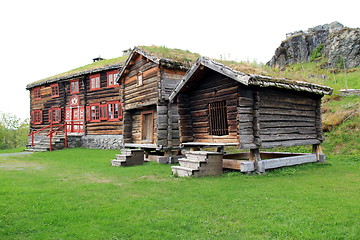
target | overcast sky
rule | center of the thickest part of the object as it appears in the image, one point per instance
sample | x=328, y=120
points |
x=43, y=38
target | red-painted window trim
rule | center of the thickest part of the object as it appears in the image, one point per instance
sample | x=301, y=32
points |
x=55, y=115
x=55, y=90
x=95, y=112
x=111, y=78
x=37, y=117
x=114, y=111
x=74, y=86
x=36, y=93
x=95, y=82
x=103, y=112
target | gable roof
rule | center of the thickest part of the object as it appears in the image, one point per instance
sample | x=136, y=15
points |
x=94, y=67
x=167, y=57
x=249, y=79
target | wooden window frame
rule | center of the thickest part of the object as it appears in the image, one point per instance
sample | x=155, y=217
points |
x=218, y=119
x=140, y=79
x=51, y=115
x=37, y=93
x=55, y=91
x=96, y=117
x=152, y=125
x=37, y=116
x=111, y=108
x=111, y=78
x=95, y=77
x=72, y=82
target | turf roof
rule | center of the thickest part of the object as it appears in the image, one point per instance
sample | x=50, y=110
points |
x=89, y=68
x=173, y=54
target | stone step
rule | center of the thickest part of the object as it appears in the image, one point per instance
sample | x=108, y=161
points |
x=183, y=171
x=193, y=164
x=122, y=157
x=117, y=163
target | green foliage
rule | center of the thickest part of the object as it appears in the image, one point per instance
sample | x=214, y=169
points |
x=13, y=131
x=76, y=194
x=316, y=53
x=183, y=56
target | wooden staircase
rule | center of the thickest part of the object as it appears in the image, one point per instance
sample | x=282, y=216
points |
x=199, y=163
x=43, y=144
x=128, y=157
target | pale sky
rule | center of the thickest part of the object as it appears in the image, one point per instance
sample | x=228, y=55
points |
x=41, y=38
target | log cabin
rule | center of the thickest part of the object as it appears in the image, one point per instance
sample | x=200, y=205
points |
x=84, y=103
x=219, y=107
x=147, y=79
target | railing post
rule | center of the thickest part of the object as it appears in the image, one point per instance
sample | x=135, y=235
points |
x=51, y=136
x=32, y=138
x=66, y=137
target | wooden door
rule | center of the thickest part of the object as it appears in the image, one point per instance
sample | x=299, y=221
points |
x=147, y=127
x=75, y=119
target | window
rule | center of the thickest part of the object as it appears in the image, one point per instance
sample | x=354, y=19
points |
x=111, y=78
x=55, y=90
x=114, y=111
x=95, y=82
x=147, y=126
x=140, y=78
x=36, y=116
x=218, y=124
x=55, y=115
x=36, y=93
x=74, y=86
x=95, y=112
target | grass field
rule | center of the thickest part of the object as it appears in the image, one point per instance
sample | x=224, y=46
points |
x=76, y=194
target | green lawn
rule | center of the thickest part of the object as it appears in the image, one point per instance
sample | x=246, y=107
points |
x=76, y=194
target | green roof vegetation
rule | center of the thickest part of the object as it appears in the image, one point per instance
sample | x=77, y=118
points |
x=177, y=55
x=86, y=68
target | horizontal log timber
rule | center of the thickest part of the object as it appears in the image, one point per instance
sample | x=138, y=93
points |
x=269, y=117
x=284, y=137
x=289, y=143
x=288, y=130
x=275, y=111
x=264, y=125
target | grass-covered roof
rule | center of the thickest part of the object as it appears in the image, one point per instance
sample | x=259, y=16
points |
x=89, y=68
x=173, y=54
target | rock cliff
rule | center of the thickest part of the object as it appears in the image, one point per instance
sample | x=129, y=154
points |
x=339, y=45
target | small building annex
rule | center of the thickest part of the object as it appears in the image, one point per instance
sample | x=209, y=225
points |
x=147, y=79
x=219, y=106
x=84, y=103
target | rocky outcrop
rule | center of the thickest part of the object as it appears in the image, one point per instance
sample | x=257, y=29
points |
x=338, y=44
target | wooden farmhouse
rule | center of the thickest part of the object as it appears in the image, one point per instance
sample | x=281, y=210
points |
x=219, y=106
x=147, y=79
x=81, y=107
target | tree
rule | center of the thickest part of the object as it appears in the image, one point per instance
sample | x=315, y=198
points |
x=13, y=131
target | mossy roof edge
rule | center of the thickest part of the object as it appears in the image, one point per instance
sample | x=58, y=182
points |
x=99, y=66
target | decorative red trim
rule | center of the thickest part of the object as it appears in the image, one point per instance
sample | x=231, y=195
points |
x=95, y=82
x=51, y=115
x=103, y=112
x=55, y=92
x=37, y=93
x=37, y=116
x=114, y=111
x=95, y=112
x=111, y=78
x=72, y=85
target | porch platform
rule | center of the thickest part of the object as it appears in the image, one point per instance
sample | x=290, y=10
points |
x=139, y=145
x=219, y=146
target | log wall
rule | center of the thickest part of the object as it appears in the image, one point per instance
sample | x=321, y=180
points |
x=136, y=95
x=194, y=115
x=103, y=95
x=46, y=103
x=289, y=118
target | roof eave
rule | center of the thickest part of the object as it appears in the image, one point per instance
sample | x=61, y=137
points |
x=52, y=80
